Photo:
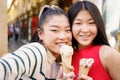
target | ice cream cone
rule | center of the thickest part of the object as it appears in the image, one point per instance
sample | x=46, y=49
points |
x=66, y=62
x=85, y=65
x=83, y=70
x=66, y=56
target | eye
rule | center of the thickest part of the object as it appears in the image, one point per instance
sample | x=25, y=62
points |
x=77, y=23
x=92, y=22
x=68, y=30
x=54, y=30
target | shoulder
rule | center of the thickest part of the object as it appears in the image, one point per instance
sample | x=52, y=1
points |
x=34, y=44
x=33, y=47
x=109, y=56
x=107, y=50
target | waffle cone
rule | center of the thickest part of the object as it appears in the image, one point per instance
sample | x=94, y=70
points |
x=85, y=65
x=83, y=70
x=66, y=62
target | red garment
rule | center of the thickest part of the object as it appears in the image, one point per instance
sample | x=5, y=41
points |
x=97, y=71
x=9, y=32
x=34, y=24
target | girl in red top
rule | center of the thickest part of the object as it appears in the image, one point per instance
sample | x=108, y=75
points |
x=90, y=41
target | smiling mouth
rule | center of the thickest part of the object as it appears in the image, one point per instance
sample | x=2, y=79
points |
x=84, y=37
x=61, y=43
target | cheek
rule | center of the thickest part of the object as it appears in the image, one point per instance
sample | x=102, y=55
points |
x=70, y=36
x=75, y=30
x=47, y=36
x=94, y=30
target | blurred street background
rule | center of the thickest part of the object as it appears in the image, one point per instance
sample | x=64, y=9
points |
x=13, y=45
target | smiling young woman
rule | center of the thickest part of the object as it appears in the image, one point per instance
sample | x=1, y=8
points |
x=37, y=60
x=90, y=41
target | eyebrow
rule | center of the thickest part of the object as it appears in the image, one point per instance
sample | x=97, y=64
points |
x=91, y=19
x=58, y=26
x=88, y=20
x=54, y=26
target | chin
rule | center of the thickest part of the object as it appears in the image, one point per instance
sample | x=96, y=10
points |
x=85, y=44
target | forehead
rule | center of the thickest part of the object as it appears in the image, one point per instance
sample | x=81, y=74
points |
x=57, y=20
x=84, y=14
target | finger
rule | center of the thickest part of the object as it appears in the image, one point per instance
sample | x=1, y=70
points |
x=71, y=68
x=85, y=77
x=69, y=75
x=60, y=73
x=69, y=79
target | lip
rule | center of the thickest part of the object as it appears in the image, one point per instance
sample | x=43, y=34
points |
x=61, y=43
x=84, y=37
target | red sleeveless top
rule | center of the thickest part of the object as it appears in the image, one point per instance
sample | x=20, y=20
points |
x=97, y=71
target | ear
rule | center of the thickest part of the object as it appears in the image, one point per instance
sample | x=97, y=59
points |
x=40, y=33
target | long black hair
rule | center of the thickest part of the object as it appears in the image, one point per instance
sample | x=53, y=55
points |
x=101, y=37
x=46, y=12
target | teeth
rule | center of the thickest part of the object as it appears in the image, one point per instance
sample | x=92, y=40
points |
x=84, y=36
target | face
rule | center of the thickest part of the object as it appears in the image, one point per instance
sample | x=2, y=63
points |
x=84, y=29
x=56, y=32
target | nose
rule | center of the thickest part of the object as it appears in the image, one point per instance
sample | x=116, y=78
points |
x=84, y=28
x=62, y=35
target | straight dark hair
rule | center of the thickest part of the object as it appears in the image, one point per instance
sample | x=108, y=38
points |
x=101, y=37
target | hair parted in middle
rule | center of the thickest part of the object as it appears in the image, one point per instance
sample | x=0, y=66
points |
x=101, y=37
